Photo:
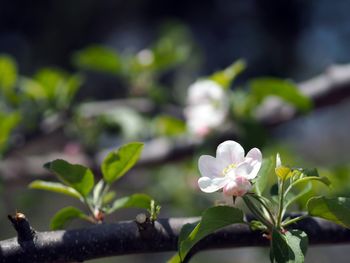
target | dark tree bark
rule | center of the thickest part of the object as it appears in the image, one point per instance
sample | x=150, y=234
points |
x=131, y=237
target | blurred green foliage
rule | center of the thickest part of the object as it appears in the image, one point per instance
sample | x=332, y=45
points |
x=141, y=71
x=51, y=89
x=26, y=101
x=98, y=58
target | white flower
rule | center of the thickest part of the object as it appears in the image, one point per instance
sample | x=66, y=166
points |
x=207, y=106
x=205, y=91
x=145, y=57
x=202, y=118
x=230, y=170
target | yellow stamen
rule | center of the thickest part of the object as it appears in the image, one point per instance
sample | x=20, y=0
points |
x=227, y=169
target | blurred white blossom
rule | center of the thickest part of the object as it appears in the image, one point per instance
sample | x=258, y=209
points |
x=207, y=107
x=145, y=57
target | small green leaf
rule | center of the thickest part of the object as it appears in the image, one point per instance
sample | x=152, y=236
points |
x=227, y=76
x=65, y=216
x=55, y=187
x=321, y=179
x=184, y=233
x=134, y=201
x=310, y=172
x=8, y=121
x=33, y=89
x=286, y=90
x=304, y=191
x=77, y=176
x=108, y=197
x=98, y=58
x=212, y=219
x=8, y=74
x=335, y=209
x=51, y=81
x=264, y=175
x=290, y=247
x=169, y=125
x=175, y=259
x=117, y=163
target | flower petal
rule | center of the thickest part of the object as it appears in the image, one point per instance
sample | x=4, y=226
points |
x=210, y=185
x=254, y=159
x=210, y=166
x=243, y=169
x=238, y=187
x=278, y=160
x=230, y=152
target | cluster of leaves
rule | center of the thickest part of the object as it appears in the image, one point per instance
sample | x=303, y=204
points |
x=269, y=208
x=142, y=70
x=148, y=73
x=78, y=181
x=246, y=102
x=26, y=100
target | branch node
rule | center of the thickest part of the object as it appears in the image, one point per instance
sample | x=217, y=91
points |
x=24, y=231
x=145, y=225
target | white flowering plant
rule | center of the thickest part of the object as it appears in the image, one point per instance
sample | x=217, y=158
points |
x=246, y=176
x=213, y=105
x=208, y=100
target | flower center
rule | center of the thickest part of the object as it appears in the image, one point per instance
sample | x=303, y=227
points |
x=227, y=169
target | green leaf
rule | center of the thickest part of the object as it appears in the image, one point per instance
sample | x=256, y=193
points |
x=184, y=233
x=52, y=86
x=117, y=163
x=175, y=259
x=130, y=123
x=77, y=176
x=304, y=191
x=135, y=201
x=264, y=175
x=310, y=172
x=290, y=247
x=51, y=80
x=8, y=121
x=227, y=76
x=55, y=187
x=98, y=58
x=65, y=216
x=108, y=197
x=32, y=89
x=286, y=90
x=212, y=219
x=169, y=125
x=174, y=46
x=8, y=74
x=321, y=179
x=335, y=209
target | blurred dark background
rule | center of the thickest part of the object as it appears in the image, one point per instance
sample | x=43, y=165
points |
x=285, y=38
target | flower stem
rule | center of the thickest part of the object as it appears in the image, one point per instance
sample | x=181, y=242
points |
x=294, y=220
x=259, y=215
x=266, y=208
x=280, y=204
